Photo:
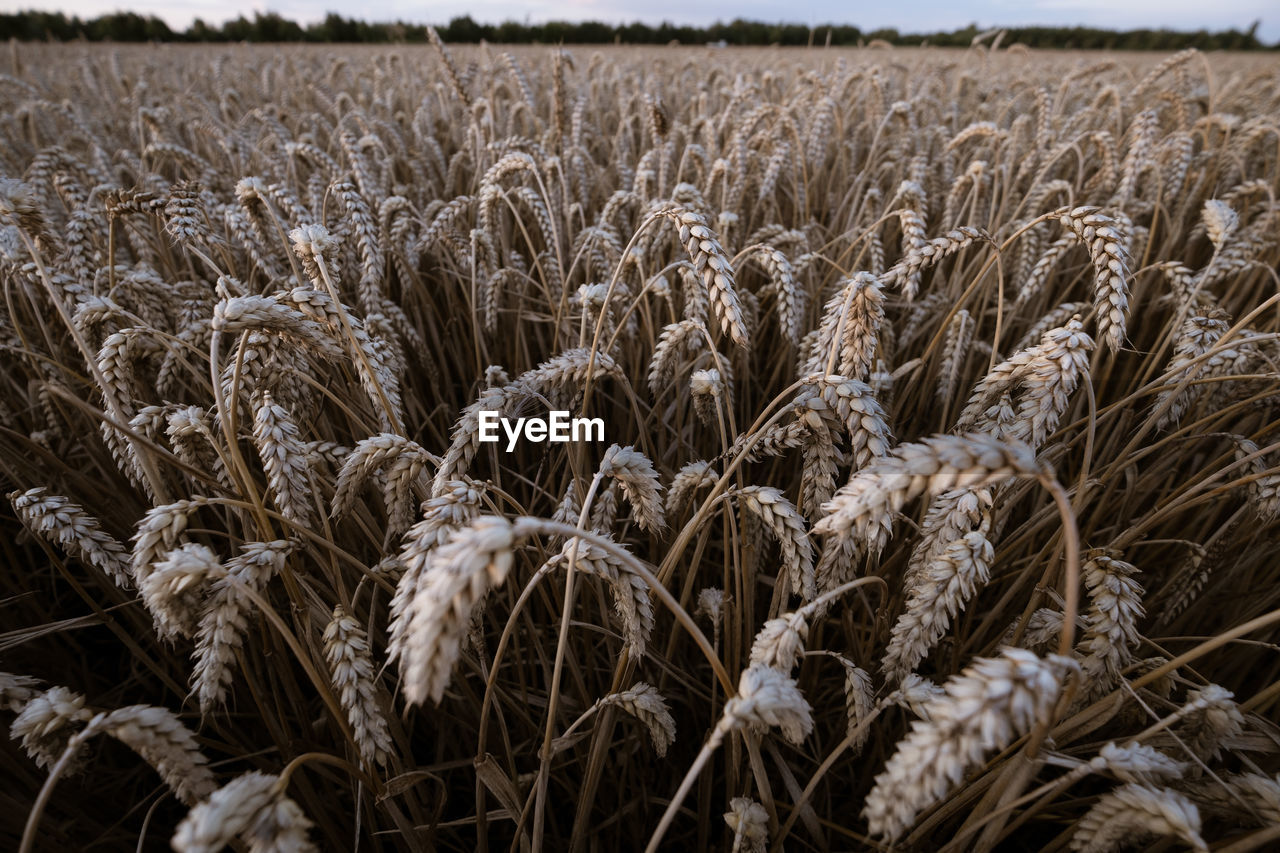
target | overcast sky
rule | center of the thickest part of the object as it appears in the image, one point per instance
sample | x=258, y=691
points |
x=906, y=15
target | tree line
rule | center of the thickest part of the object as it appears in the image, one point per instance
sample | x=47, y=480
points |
x=270, y=27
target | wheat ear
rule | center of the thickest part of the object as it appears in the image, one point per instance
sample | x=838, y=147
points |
x=1115, y=606
x=570, y=369
x=59, y=520
x=713, y=264
x=631, y=597
x=765, y=698
x=942, y=589
x=252, y=807
x=864, y=505
x=1261, y=794
x=445, y=586
x=750, y=824
x=47, y=722
x=779, y=644
x=858, y=411
x=859, y=700
x=1107, y=247
x=1133, y=811
x=1198, y=336
x=158, y=532
x=1209, y=717
x=639, y=481
x=172, y=591
x=346, y=647
x=224, y=620
x=851, y=322
x=165, y=743
x=645, y=703
x=677, y=340
x=689, y=480
x=16, y=691
x=985, y=707
x=284, y=459
x=786, y=525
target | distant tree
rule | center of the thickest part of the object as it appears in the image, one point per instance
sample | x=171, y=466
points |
x=339, y=29
x=200, y=31
x=128, y=26
x=464, y=29
x=271, y=27
x=238, y=30
x=884, y=34
x=511, y=32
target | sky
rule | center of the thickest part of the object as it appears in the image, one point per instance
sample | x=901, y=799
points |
x=905, y=15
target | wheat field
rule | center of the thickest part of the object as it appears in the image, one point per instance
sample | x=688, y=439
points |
x=936, y=503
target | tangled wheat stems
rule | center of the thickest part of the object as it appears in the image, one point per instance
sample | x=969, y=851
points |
x=930, y=379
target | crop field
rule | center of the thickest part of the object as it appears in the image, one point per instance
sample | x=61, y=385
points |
x=454, y=448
